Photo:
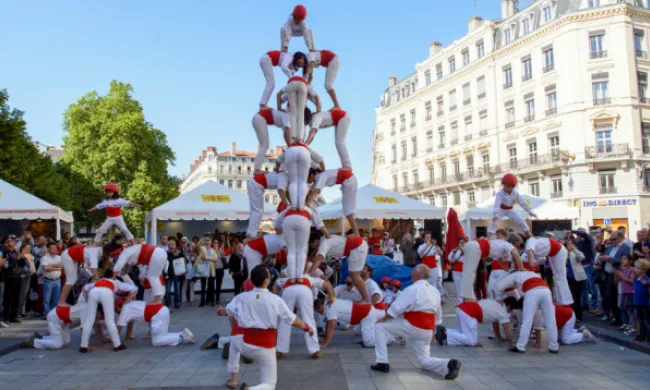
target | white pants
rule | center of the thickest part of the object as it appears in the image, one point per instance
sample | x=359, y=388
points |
x=267, y=69
x=296, y=230
x=187, y=285
x=286, y=34
x=357, y=257
x=538, y=298
x=568, y=334
x=59, y=333
x=147, y=296
x=367, y=327
x=154, y=270
x=297, y=162
x=70, y=267
x=418, y=339
x=512, y=214
x=558, y=266
x=256, y=201
x=458, y=280
x=495, y=275
x=253, y=257
x=349, y=195
x=300, y=297
x=262, y=130
x=433, y=280
x=110, y=221
x=264, y=357
x=470, y=264
x=105, y=297
x=297, y=99
x=340, y=134
x=159, y=330
x=467, y=333
x=331, y=72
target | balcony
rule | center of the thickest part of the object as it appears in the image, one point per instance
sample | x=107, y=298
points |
x=551, y=111
x=454, y=142
x=392, y=132
x=607, y=151
x=602, y=101
x=429, y=150
x=607, y=190
x=510, y=124
x=481, y=96
x=641, y=54
x=482, y=132
x=598, y=54
x=549, y=68
x=452, y=108
x=466, y=102
x=531, y=162
x=529, y=118
x=556, y=195
x=468, y=137
x=441, y=113
x=402, y=128
x=507, y=85
x=526, y=77
x=428, y=118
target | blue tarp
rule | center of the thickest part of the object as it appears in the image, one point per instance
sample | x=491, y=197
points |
x=382, y=266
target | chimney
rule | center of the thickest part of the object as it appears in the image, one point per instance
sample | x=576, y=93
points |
x=507, y=8
x=233, y=149
x=435, y=48
x=204, y=153
x=392, y=80
x=475, y=23
x=212, y=149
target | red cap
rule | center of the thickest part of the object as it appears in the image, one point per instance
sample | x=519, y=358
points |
x=396, y=283
x=248, y=285
x=112, y=187
x=300, y=12
x=509, y=179
x=385, y=279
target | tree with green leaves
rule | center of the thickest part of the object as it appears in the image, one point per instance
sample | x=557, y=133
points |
x=108, y=139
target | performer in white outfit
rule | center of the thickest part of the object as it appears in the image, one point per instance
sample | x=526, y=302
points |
x=413, y=316
x=505, y=201
x=538, y=249
x=58, y=325
x=375, y=292
x=537, y=296
x=300, y=296
x=157, y=316
x=258, y=313
x=269, y=60
x=103, y=292
x=71, y=258
x=347, y=291
x=338, y=119
x=113, y=205
x=153, y=257
x=428, y=252
x=297, y=91
x=261, y=122
x=456, y=258
x=348, y=182
x=296, y=27
x=256, y=186
x=566, y=321
x=297, y=161
x=267, y=245
x=349, y=313
x=329, y=60
x=469, y=315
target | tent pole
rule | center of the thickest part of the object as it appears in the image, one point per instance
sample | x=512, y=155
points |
x=146, y=229
x=58, y=228
x=154, y=234
x=343, y=226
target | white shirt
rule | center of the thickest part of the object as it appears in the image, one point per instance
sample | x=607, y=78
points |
x=119, y=202
x=494, y=312
x=280, y=118
x=313, y=217
x=133, y=311
x=128, y=256
x=120, y=287
x=389, y=296
x=92, y=254
x=342, y=292
x=315, y=57
x=273, y=179
x=321, y=120
x=333, y=246
x=285, y=64
x=326, y=178
x=387, y=246
x=509, y=200
x=274, y=243
x=259, y=308
x=299, y=30
x=373, y=288
x=540, y=246
x=51, y=260
x=311, y=95
x=420, y=296
x=501, y=249
x=512, y=280
x=340, y=310
x=455, y=255
x=424, y=251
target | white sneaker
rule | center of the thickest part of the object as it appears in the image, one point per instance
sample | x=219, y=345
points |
x=187, y=336
x=589, y=336
x=3, y=324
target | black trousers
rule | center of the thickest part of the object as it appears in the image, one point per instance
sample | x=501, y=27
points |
x=12, y=298
x=612, y=297
x=642, y=314
x=576, y=293
x=219, y=280
x=239, y=283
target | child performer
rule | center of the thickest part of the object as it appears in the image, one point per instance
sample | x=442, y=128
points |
x=505, y=201
x=113, y=205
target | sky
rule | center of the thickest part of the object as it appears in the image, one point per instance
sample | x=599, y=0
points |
x=194, y=65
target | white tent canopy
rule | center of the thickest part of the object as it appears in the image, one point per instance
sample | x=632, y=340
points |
x=209, y=201
x=378, y=203
x=18, y=204
x=543, y=208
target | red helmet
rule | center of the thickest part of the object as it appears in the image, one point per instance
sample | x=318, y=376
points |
x=112, y=187
x=509, y=179
x=248, y=285
x=385, y=279
x=396, y=283
x=300, y=12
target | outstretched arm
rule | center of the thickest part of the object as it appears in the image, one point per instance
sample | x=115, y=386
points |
x=329, y=333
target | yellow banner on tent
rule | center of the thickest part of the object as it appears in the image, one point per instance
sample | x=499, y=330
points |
x=215, y=198
x=385, y=199
x=332, y=222
x=160, y=225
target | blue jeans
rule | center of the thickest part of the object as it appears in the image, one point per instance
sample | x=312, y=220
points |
x=168, y=294
x=589, y=287
x=51, y=294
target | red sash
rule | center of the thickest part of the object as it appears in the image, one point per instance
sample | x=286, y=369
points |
x=147, y=284
x=497, y=266
x=359, y=312
x=534, y=283
x=260, y=178
x=458, y=266
x=303, y=213
x=300, y=144
x=63, y=312
x=305, y=282
x=430, y=261
x=297, y=78
x=528, y=267
x=281, y=258
x=274, y=55
x=76, y=253
x=325, y=57
x=236, y=330
x=472, y=309
x=343, y=175
x=106, y=284
x=151, y=310
x=352, y=242
x=258, y=245
x=555, y=247
x=485, y=247
x=145, y=254
x=265, y=338
x=562, y=315
x=113, y=211
x=421, y=319
x=337, y=115
x=381, y=306
x=267, y=114
x=504, y=207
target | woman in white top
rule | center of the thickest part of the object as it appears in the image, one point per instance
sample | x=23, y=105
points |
x=289, y=64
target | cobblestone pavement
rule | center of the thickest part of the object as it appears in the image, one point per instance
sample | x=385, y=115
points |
x=344, y=365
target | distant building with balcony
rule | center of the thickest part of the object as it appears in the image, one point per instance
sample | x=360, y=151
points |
x=53, y=152
x=555, y=93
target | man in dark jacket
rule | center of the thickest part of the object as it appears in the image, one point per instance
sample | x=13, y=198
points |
x=586, y=246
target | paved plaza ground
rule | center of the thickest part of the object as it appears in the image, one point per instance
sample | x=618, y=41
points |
x=343, y=366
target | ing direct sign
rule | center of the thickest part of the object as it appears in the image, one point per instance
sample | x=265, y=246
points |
x=608, y=202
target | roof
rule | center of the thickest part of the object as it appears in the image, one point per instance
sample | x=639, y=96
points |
x=18, y=204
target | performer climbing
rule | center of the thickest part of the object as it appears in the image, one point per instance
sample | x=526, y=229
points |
x=288, y=62
x=71, y=258
x=58, y=326
x=256, y=187
x=469, y=315
x=349, y=313
x=348, y=182
x=338, y=119
x=505, y=201
x=113, y=204
x=261, y=122
x=157, y=316
x=329, y=60
x=153, y=257
x=296, y=27
x=267, y=245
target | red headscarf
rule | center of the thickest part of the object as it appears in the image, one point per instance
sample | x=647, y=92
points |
x=454, y=232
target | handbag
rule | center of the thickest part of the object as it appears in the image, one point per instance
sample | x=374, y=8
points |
x=204, y=269
x=179, y=266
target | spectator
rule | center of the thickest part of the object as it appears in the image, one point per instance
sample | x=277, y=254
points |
x=388, y=245
x=418, y=241
x=14, y=269
x=600, y=277
x=66, y=239
x=641, y=284
x=39, y=251
x=219, y=269
x=73, y=241
x=637, y=248
x=51, y=264
x=187, y=297
x=374, y=241
x=205, y=263
x=626, y=240
x=163, y=242
x=625, y=279
x=406, y=246
x=586, y=246
x=237, y=265
x=26, y=276
x=480, y=284
x=575, y=276
x=611, y=261
x=172, y=282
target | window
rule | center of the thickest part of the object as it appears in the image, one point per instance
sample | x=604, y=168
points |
x=549, y=61
x=229, y=183
x=439, y=71
x=452, y=100
x=395, y=185
x=440, y=104
x=441, y=137
x=452, y=64
x=554, y=145
x=443, y=172
x=526, y=26
x=507, y=77
x=532, y=152
x=480, y=49
x=551, y=102
x=414, y=145
x=222, y=168
x=469, y=161
x=456, y=167
x=471, y=198
x=597, y=44
x=600, y=89
x=402, y=122
x=642, y=78
x=222, y=182
x=510, y=115
x=239, y=184
x=485, y=160
x=393, y=127
x=533, y=188
x=229, y=168
x=607, y=181
x=604, y=138
x=267, y=198
x=466, y=57
x=454, y=132
x=467, y=99
x=512, y=156
x=638, y=44
x=547, y=14
x=468, y=128
x=482, y=122
x=443, y=201
x=530, y=110
x=239, y=170
x=556, y=187
x=432, y=200
x=456, y=198
x=480, y=87
x=403, y=150
x=427, y=77
x=507, y=36
x=526, y=68
x=645, y=137
x=393, y=150
x=275, y=199
x=431, y=174
x=413, y=118
x=429, y=141
x=594, y=3
x=428, y=114
x=405, y=179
